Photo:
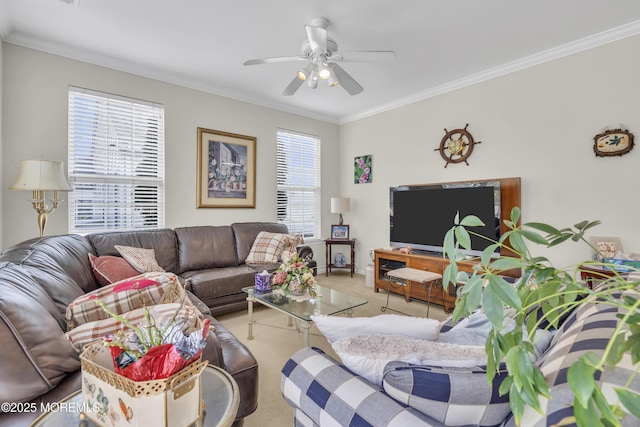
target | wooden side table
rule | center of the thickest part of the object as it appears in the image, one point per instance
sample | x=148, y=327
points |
x=593, y=273
x=329, y=259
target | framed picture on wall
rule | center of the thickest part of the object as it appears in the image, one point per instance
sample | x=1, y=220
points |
x=363, y=169
x=226, y=170
x=340, y=232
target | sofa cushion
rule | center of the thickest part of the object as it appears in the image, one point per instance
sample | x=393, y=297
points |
x=205, y=247
x=475, y=329
x=267, y=247
x=367, y=355
x=452, y=396
x=33, y=342
x=338, y=327
x=209, y=285
x=162, y=241
x=126, y=295
x=291, y=246
x=246, y=232
x=109, y=269
x=143, y=260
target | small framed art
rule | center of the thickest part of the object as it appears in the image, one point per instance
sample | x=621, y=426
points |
x=340, y=232
x=362, y=169
x=226, y=170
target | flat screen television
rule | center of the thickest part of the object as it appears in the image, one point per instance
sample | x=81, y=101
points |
x=421, y=215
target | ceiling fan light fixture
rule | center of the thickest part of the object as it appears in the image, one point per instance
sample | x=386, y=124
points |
x=304, y=72
x=333, y=80
x=312, y=82
x=324, y=72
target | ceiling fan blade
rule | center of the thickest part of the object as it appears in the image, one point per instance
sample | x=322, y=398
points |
x=346, y=81
x=317, y=37
x=274, y=60
x=367, y=56
x=293, y=87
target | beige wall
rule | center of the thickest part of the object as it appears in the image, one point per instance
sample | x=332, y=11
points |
x=537, y=124
x=35, y=105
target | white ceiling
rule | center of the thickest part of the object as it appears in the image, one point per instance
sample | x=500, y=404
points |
x=439, y=44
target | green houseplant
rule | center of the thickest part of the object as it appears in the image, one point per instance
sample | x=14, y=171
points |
x=553, y=292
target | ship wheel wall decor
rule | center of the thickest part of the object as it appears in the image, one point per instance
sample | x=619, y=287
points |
x=456, y=146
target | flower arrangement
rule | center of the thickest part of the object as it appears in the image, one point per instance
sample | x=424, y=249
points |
x=294, y=276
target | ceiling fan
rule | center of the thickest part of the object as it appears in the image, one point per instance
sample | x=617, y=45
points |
x=320, y=54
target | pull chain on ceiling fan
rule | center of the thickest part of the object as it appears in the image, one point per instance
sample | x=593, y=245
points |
x=321, y=56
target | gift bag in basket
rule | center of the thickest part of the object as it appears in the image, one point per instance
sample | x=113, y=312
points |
x=110, y=399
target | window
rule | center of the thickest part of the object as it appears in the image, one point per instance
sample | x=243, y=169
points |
x=116, y=163
x=299, y=183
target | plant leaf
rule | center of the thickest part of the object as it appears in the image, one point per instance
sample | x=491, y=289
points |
x=463, y=237
x=515, y=215
x=471, y=221
x=630, y=400
x=504, y=291
x=545, y=228
x=580, y=378
x=517, y=243
x=534, y=237
x=506, y=263
x=493, y=308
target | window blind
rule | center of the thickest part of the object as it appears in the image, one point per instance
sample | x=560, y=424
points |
x=298, y=175
x=116, y=162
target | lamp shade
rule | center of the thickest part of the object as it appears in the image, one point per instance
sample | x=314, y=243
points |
x=41, y=175
x=340, y=204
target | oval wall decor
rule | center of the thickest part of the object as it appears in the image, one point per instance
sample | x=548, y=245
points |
x=614, y=142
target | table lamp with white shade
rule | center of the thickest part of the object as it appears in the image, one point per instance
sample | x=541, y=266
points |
x=340, y=205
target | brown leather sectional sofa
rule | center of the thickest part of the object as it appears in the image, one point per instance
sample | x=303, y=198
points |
x=40, y=277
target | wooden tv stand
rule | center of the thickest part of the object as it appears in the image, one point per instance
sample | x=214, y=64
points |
x=386, y=260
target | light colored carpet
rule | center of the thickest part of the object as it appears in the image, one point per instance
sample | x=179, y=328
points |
x=274, y=342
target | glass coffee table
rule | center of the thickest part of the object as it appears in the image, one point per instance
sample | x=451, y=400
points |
x=219, y=393
x=327, y=302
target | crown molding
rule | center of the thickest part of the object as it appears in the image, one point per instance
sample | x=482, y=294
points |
x=148, y=72
x=558, y=52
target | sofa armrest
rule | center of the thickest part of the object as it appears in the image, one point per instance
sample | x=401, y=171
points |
x=197, y=302
x=326, y=392
x=305, y=252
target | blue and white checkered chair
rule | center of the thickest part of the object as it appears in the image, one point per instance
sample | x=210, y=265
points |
x=325, y=393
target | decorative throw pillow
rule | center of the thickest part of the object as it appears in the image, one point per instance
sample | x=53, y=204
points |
x=143, y=260
x=129, y=294
x=161, y=313
x=450, y=395
x=267, y=247
x=474, y=330
x=109, y=269
x=367, y=355
x=338, y=327
x=291, y=246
